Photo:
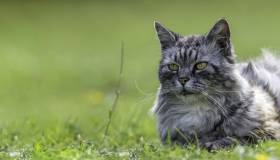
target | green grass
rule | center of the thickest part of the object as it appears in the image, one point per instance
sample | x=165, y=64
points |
x=60, y=62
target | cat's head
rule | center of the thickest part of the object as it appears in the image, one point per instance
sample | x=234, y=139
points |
x=196, y=63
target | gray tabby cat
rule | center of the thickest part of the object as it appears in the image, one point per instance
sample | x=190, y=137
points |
x=206, y=97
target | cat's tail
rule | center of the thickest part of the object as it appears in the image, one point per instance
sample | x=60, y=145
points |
x=270, y=60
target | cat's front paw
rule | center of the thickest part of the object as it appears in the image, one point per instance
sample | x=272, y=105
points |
x=219, y=144
x=212, y=146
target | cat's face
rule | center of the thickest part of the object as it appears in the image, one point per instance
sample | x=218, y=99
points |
x=195, y=64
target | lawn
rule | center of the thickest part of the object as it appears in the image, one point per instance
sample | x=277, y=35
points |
x=60, y=65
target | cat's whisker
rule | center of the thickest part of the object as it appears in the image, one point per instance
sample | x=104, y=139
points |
x=217, y=90
x=228, y=91
x=221, y=108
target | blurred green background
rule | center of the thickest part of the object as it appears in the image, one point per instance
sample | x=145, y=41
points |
x=59, y=60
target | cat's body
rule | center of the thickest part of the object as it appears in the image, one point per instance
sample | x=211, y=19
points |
x=206, y=98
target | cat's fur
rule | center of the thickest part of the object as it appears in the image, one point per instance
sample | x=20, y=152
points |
x=226, y=103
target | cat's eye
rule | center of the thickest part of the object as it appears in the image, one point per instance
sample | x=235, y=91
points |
x=201, y=65
x=173, y=67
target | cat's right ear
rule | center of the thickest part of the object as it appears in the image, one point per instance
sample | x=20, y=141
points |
x=166, y=37
x=220, y=34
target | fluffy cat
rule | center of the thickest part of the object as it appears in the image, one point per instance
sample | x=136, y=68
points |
x=205, y=97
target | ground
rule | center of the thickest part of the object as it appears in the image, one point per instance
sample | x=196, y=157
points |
x=59, y=71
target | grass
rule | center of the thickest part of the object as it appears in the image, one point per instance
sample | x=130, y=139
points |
x=59, y=72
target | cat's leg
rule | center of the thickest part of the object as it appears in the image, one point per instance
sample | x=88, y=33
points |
x=220, y=143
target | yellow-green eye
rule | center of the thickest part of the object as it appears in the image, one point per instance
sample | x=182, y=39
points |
x=201, y=65
x=173, y=67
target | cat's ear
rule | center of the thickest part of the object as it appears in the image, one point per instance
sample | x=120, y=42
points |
x=220, y=34
x=166, y=37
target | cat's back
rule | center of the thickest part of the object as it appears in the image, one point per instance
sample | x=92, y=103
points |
x=264, y=73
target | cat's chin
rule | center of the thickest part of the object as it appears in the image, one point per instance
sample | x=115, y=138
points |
x=192, y=99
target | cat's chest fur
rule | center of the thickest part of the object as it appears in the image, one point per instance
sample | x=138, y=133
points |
x=199, y=113
x=191, y=114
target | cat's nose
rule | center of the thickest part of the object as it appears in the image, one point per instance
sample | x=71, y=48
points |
x=184, y=80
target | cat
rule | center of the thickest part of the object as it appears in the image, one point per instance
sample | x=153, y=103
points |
x=206, y=98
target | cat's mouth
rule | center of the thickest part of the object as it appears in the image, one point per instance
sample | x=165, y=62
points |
x=187, y=92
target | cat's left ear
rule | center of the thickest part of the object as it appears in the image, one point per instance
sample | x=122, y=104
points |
x=220, y=34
